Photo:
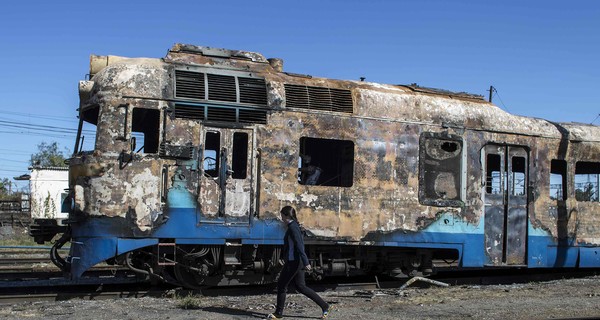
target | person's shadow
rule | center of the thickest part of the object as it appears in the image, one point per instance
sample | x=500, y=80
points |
x=246, y=313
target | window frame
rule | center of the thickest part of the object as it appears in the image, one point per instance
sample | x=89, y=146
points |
x=317, y=160
x=459, y=177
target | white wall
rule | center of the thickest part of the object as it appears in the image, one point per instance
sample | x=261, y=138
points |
x=47, y=187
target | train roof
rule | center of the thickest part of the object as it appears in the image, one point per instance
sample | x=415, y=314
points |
x=404, y=103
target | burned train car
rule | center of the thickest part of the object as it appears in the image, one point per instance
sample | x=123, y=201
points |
x=386, y=179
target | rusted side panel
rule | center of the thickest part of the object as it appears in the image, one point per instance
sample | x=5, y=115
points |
x=131, y=193
x=587, y=212
x=384, y=195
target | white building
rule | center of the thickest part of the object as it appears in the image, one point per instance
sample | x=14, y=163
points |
x=47, y=191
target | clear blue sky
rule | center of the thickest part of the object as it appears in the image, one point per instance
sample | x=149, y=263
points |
x=542, y=56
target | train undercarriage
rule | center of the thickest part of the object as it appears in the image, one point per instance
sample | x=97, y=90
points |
x=195, y=266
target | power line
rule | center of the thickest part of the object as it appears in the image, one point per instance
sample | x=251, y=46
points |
x=4, y=159
x=24, y=125
x=40, y=116
x=15, y=151
x=40, y=134
x=19, y=171
x=596, y=118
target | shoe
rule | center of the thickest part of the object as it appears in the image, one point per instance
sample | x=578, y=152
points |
x=274, y=316
x=327, y=312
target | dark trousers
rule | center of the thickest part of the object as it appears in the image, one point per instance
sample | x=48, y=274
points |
x=293, y=271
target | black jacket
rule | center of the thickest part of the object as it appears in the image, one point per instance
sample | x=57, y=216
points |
x=293, y=239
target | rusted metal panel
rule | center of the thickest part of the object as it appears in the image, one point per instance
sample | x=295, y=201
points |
x=384, y=129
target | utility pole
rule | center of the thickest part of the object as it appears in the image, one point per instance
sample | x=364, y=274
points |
x=492, y=89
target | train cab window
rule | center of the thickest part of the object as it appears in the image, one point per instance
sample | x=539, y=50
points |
x=89, y=121
x=210, y=158
x=240, y=155
x=587, y=175
x=440, y=170
x=518, y=176
x=558, y=180
x=145, y=128
x=326, y=162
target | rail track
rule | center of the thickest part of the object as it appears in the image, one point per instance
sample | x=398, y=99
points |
x=34, y=278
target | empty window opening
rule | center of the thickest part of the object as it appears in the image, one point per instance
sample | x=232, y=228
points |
x=145, y=127
x=518, y=176
x=493, y=177
x=326, y=162
x=558, y=180
x=440, y=169
x=449, y=146
x=586, y=180
x=210, y=160
x=240, y=155
x=88, y=123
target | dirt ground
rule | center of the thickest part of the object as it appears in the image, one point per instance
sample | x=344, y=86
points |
x=560, y=299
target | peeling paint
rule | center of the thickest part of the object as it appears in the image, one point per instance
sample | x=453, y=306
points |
x=386, y=130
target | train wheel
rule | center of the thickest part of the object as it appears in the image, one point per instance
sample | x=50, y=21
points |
x=188, y=278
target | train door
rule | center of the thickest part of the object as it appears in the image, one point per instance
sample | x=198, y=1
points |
x=226, y=190
x=505, y=198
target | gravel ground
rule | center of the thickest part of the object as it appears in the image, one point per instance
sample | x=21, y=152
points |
x=561, y=299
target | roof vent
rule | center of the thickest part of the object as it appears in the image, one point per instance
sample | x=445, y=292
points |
x=217, y=87
x=319, y=98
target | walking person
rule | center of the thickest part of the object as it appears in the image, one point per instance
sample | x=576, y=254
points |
x=296, y=262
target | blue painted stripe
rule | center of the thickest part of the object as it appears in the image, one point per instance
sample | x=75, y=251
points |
x=101, y=238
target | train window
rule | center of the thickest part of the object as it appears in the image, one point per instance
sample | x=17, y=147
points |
x=518, y=176
x=587, y=175
x=326, y=162
x=558, y=180
x=440, y=174
x=65, y=207
x=89, y=121
x=210, y=162
x=145, y=128
x=239, y=155
x=493, y=177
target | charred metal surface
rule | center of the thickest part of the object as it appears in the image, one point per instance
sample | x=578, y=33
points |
x=411, y=159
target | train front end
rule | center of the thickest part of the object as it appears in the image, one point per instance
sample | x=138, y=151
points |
x=115, y=188
x=168, y=186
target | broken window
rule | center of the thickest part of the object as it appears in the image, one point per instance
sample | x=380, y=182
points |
x=558, y=180
x=239, y=155
x=493, y=177
x=440, y=173
x=518, y=176
x=145, y=128
x=88, y=122
x=326, y=162
x=586, y=180
x=210, y=158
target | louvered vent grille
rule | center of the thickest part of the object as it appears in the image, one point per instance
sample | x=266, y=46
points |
x=189, y=112
x=318, y=98
x=221, y=88
x=296, y=96
x=341, y=100
x=253, y=116
x=221, y=114
x=253, y=91
x=189, y=85
x=192, y=85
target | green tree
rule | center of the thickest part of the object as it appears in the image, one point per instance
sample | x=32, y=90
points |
x=48, y=155
x=4, y=186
